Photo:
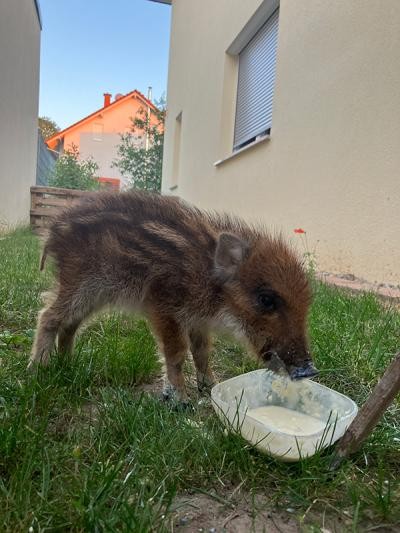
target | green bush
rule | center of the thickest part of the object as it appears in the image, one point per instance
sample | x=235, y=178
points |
x=70, y=172
x=140, y=153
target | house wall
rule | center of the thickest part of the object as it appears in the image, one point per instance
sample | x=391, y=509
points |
x=102, y=145
x=19, y=96
x=332, y=163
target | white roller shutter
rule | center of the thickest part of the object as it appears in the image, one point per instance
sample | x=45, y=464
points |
x=257, y=63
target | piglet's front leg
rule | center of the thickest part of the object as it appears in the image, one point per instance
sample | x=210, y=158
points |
x=200, y=347
x=174, y=346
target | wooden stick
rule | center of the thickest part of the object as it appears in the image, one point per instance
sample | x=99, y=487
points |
x=378, y=401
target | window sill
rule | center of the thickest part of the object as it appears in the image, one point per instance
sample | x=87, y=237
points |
x=244, y=149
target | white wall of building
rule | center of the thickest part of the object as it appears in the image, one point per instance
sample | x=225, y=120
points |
x=332, y=164
x=19, y=99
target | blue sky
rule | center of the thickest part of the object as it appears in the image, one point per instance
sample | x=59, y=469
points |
x=90, y=47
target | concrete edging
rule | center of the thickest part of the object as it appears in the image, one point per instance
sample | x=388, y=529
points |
x=359, y=285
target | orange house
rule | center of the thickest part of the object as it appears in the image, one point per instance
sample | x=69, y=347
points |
x=98, y=134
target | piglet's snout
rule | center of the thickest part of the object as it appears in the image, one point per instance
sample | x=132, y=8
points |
x=305, y=370
x=296, y=361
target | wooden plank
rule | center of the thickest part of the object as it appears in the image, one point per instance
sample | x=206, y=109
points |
x=45, y=212
x=48, y=202
x=38, y=218
x=34, y=198
x=58, y=190
x=40, y=222
x=55, y=201
x=32, y=207
x=370, y=413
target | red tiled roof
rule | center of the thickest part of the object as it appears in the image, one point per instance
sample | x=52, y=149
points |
x=132, y=94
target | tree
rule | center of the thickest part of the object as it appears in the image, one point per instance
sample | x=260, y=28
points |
x=140, y=152
x=47, y=127
x=72, y=173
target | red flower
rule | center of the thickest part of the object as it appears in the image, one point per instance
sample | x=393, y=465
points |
x=299, y=230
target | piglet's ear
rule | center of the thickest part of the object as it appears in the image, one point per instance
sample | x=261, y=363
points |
x=229, y=255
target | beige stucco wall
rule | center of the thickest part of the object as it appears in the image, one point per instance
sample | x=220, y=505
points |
x=332, y=165
x=19, y=95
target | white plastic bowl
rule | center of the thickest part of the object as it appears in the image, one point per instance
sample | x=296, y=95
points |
x=234, y=398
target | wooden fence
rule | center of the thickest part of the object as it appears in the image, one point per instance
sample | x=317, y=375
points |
x=46, y=202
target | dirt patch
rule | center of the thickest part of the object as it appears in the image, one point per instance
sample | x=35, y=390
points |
x=154, y=388
x=66, y=422
x=238, y=511
x=204, y=513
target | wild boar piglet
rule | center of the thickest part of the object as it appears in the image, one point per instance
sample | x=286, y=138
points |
x=187, y=271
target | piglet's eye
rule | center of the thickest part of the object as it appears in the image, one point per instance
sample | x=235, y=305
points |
x=267, y=302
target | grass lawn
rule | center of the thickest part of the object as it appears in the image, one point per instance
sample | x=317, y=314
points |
x=86, y=446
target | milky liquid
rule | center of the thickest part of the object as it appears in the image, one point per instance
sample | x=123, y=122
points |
x=286, y=420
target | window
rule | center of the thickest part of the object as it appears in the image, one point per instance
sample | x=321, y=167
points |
x=256, y=79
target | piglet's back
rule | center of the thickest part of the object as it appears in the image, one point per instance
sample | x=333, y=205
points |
x=138, y=232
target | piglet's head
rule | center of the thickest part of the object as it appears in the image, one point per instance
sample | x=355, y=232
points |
x=267, y=291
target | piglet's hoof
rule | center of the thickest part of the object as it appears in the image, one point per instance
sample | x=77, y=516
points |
x=205, y=383
x=178, y=405
x=32, y=369
x=205, y=388
x=182, y=406
x=175, y=399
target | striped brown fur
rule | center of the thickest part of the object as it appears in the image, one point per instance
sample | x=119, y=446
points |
x=186, y=270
